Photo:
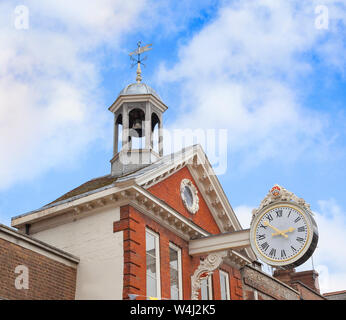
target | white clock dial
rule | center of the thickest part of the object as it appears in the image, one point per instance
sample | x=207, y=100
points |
x=281, y=234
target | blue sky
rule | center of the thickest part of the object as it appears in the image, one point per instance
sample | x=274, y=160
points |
x=264, y=70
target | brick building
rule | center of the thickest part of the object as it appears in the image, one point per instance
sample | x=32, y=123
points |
x=136, y=233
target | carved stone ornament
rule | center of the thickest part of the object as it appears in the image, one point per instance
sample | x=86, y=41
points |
x=189, y=195
x=277, y=194
x=206, y=267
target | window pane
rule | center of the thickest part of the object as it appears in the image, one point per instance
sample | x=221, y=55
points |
x=188, y=196
x=174, y=278
x=174, y=294
x=204, y=289
x=151, y=287
x=150, y=243
x=152, y=275
x=175, y=269
x=223, y=286
x=151, y=266
x=173, y=258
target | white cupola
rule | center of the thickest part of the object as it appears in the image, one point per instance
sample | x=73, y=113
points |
x=138, y=112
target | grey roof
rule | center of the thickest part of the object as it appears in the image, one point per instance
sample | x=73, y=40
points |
x=138, y=88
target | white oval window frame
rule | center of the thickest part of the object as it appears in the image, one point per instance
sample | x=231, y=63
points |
x=195, y=201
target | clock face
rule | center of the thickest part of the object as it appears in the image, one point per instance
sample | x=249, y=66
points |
x=281, y=234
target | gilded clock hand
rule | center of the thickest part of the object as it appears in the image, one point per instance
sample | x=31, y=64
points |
x=284, y=231
x=266, y=223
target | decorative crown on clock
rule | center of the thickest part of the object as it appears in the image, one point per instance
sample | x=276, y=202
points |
x=278, y=193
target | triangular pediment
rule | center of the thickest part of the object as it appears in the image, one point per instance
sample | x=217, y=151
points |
x=193, y=164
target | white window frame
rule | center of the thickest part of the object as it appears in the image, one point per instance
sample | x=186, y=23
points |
x=180, y=273
x=157, y=251
x=228, y=292
x=210, y=287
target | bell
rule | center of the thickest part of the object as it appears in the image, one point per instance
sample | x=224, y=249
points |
x=137, y=125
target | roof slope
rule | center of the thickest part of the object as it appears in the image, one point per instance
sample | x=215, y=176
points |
x=108, y=180
x=88, y=186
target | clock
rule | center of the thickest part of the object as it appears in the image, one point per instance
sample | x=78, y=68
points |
x=189, y=195
x=283, y=230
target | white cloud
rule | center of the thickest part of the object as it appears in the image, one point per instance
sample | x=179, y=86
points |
x=240, y=72
x=330, y=256
x=50, y=105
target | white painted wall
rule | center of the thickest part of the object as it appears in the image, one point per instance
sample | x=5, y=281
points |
x=91, y=238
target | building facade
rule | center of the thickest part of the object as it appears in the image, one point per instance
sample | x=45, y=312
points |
x=135, y=233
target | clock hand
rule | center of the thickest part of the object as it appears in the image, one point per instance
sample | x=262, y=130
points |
x=266, y=223
x=284, y=231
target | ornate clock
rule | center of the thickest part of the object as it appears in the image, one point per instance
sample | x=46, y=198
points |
x=283, y=230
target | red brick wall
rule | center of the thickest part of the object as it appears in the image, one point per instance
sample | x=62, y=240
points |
x=308, y=278
x=133, y=224
x=306, y=293
x=168, y=190
x=48, y=279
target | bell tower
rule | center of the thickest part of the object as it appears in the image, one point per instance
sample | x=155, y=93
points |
x=138, y=114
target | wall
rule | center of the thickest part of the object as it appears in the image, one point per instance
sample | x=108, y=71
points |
x=305, y=282
x=309, y=278
x=91, y=238
x=257, y=284
x=47, y=278
x=305, y=292
x=133, y=225
x=336, y=295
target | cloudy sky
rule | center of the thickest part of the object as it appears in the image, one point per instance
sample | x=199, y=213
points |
x=270, y=72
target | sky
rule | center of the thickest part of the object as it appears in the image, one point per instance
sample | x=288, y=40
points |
x=269, y=73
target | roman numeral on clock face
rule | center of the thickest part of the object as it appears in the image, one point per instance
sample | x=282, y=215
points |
x=278, y=213
x=265, y=246
x=261, y=236
x=272, y=252
x=283, y=254
x=299, y=218
x=301, y=229
x=299, y=239
x=269, y=217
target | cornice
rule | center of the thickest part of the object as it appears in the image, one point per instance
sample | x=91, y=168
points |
x=137, y=98
x=133, y=195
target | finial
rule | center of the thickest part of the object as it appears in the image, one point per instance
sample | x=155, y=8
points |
x=138, y=61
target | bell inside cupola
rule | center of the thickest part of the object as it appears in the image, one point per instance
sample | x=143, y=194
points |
x=136, y=119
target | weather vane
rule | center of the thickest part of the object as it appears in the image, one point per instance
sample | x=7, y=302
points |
x=139, y=61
